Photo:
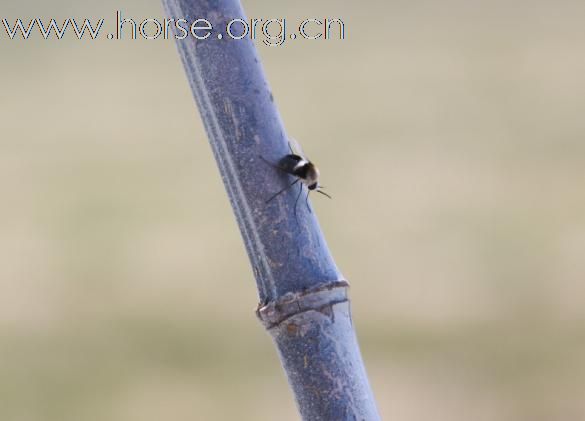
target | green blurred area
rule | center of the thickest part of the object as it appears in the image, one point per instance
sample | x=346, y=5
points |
x=451, y=136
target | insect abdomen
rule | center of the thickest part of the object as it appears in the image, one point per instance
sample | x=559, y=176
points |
x=290, y=164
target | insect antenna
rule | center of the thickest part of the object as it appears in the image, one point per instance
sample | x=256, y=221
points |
x=324, y=194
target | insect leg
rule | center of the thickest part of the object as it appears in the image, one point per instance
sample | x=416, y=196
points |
x=307, y=201
x=297, y=201
x=283, y=190
x=278, y=167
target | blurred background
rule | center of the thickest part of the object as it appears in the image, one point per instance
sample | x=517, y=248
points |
x=451, y=137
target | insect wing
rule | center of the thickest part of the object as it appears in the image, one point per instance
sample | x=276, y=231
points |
x=296, y=148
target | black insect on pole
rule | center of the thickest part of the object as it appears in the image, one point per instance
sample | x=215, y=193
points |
x=303, y=297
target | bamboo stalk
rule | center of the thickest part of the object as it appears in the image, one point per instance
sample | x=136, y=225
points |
x=303, y=296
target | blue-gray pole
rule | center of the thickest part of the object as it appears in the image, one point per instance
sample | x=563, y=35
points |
x=303, y=296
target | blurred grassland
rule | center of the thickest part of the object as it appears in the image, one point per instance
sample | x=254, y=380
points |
x=451, y=136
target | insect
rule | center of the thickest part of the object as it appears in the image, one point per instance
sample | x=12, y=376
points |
x=304, y=170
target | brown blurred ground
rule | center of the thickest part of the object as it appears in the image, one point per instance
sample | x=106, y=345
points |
x=451, y=136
